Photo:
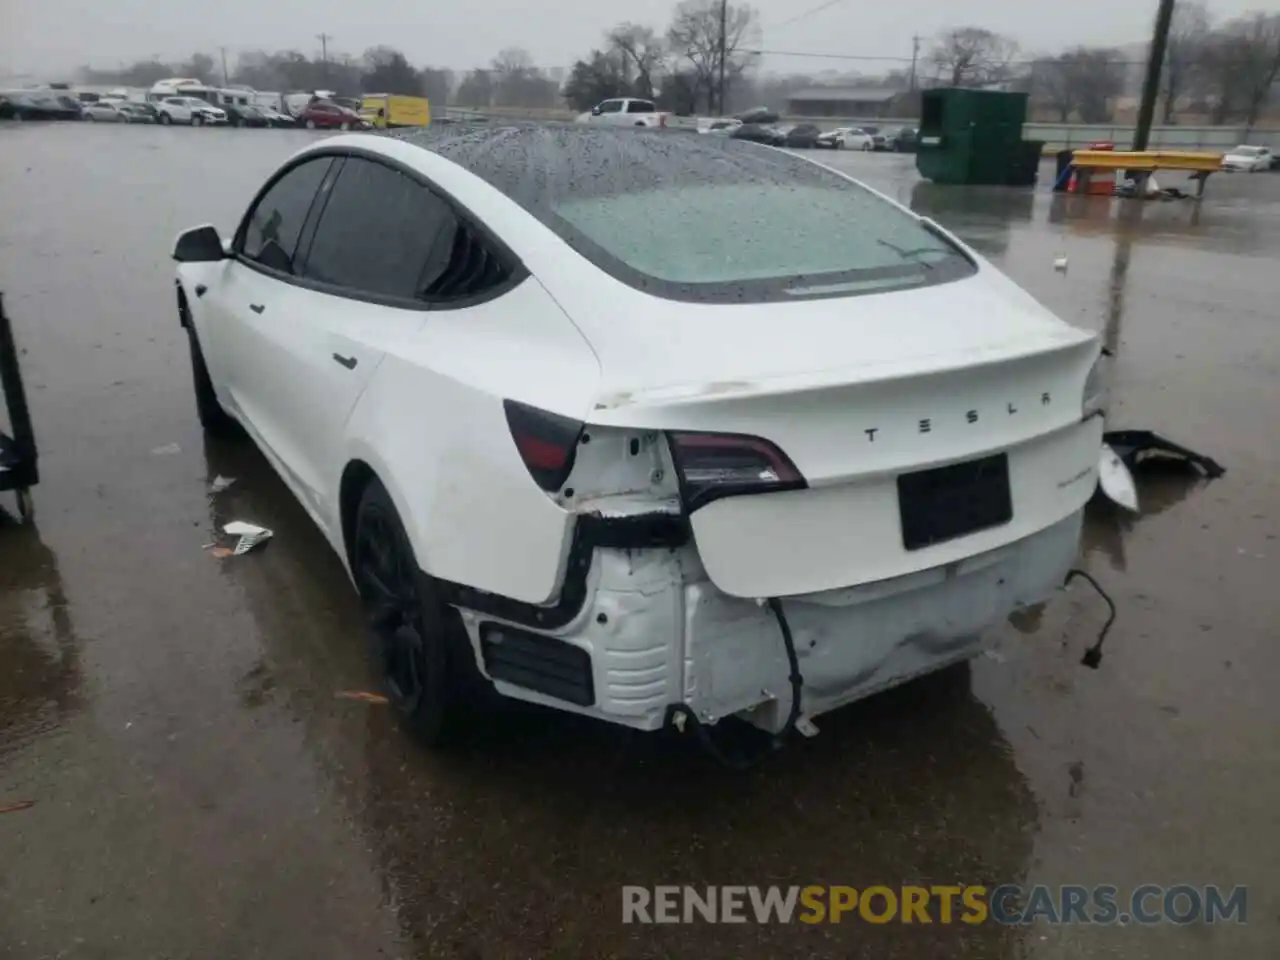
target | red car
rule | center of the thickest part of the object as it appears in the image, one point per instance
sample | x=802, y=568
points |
x=330, y=116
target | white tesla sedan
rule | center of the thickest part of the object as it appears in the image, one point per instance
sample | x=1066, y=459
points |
x=650, y=427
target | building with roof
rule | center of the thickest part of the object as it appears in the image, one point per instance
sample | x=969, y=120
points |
x=842, y=102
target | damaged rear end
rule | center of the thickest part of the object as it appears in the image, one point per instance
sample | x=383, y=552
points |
x=822, y=458
x=896, y=509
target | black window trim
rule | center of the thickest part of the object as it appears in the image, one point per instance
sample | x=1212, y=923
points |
x=517, y=270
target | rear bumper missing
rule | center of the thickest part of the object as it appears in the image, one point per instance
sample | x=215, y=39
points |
x=656, y=632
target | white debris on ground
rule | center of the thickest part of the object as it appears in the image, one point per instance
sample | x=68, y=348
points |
x=250, y=536
x=220, y=483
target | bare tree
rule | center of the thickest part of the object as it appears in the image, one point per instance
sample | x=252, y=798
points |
x=512, y=62
x=1241, y=62
x=1084, y=80
x=476, y=89
x=518, y=83
x=972, y=56
x=642, y=49
x=694, y=37
x=1183, y=55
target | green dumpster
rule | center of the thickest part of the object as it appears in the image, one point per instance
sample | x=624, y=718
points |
x=973, y=137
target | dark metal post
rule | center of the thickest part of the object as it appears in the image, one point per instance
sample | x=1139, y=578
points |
x=15, y=398
x=724, y=16
x=1151, y=84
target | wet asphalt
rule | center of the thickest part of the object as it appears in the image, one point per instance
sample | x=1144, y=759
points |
x=199, y=791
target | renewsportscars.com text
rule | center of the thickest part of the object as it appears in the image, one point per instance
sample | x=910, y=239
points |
x=943, y=904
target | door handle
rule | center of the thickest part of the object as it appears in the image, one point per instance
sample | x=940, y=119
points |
x=348, y=362
x=201, y=289
x=257, y=307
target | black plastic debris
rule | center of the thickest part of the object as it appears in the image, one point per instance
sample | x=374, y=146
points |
x=1136, y=446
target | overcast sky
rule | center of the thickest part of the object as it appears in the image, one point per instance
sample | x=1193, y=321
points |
x=49, y=37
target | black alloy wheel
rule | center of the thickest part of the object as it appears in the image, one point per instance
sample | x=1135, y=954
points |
x=418, y=642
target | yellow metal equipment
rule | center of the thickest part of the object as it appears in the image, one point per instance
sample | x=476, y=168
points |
x=1194, y=160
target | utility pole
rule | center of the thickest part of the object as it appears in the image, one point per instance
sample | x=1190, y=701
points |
x=324, y=39
x=1151, y=84
x=724, y=15
x=915, y=53
x=223, y=51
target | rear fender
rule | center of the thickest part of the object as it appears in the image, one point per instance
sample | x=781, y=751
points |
x=432, y=426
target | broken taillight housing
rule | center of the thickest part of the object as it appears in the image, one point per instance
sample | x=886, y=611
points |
x=711, y=466
x=546, y=441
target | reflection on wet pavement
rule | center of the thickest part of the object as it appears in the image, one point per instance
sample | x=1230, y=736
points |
x=200, y=791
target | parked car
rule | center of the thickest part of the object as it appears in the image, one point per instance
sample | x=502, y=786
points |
x=718, y=125
x=246, y=115
x=905, y=140
x=758, y=115
x=563, y=444
x=760, y=133
x=1246, y=159
x=190, y=110
x=804, y=135
x=846, y=138
x=878, y=139
x=625, y=112
x=141, y=108
x=38, y=105
x=276, y=118
x=106, y=111
x=323, y=115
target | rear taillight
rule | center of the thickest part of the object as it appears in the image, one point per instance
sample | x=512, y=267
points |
x=715, y=465
x=547, y=442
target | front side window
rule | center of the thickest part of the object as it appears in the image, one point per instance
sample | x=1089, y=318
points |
x=270, y=234
x=611, y=106
x=381, y=233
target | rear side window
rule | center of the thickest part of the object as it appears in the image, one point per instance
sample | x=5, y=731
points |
x=271, y=231
x=381, y=233
x=641, y=106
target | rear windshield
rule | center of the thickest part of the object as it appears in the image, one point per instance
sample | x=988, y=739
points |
x=707, y=219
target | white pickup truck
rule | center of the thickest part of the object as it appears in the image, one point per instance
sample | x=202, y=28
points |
x=625, y=112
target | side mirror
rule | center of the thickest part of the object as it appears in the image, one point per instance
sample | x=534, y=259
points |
x=199, y=245
x=595, y=111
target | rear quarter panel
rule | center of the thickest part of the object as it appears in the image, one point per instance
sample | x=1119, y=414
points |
x=432, y=427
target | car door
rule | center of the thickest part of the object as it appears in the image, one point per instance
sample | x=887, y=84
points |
x=251, y=294
x=177, y=109
x=364, y=267
x=611, y=112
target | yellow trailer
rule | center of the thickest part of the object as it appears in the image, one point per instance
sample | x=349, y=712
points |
x=393, y=110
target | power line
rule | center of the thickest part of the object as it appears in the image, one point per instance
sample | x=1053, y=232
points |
x=852, y=56
x=809, y=13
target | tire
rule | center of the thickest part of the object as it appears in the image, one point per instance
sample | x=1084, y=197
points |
x=310, y=124
x=165, y=119
x=866, y=148
x=237, y=122
x=90, y=117
x=197, y=120
x=216, y=421
x=417, y=642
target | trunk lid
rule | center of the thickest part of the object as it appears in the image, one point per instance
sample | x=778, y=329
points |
x=859, y=392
